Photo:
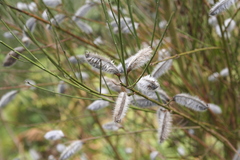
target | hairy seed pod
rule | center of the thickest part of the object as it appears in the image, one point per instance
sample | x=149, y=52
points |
x=111, y=126
x=98, y=104
x=30, y=25
x=77, y=59
x=153, y=155
x=121, y=107
x=129, y=28
x=102, y=63
x=221, y=6
x=8, y=97
x=62, y=87
x=164, y=124
x=139, y=59
x=147, y=83
x=214, y=108
x=72, y=149
x=143, y=102
x=54, y=135
x=191, y=102
x=84, y=27
x=52, y=3
x=60, y=147
x=158, y=93
x=12, y=57
x=112, y=84
x=82, y=11
x=161, y=68
x=56, y=20
x=163, y=53
x=123, y=23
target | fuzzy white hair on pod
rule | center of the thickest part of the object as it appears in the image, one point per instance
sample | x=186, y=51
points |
x=191, y=102
x=121, y=107
x=164, y=124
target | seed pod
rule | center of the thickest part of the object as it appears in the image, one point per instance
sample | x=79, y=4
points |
x=72, y=149
x=30, y=25
x=123, y=23
x=153, y=155
x=111, y=126
x=58, y=19
x=121, y=107
x=158, y=93
x=221, y=6
x=143, y=102
x=224, y=72
x=84, y=27
x=62, y=87
x=45, y=15
x=12, y=57
x=191, y=102
x=129, y=28
x=29, y=83
x=26, y=40
x=98, y=104
x=102, y=63
x=98, y=41
x=6, y=98
x=34, y=154
x=139, y=59
x=77, y=59
x=82, y=11
x=52, y=3
x=54, y=135
x=161, y=68
x=165, y=124
x=215, y=108
x=213, y=77
x=82, y=75
x=60, y=147
x=163, y=53
x=9, y=34
x=112, y=84
x=147, y=83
